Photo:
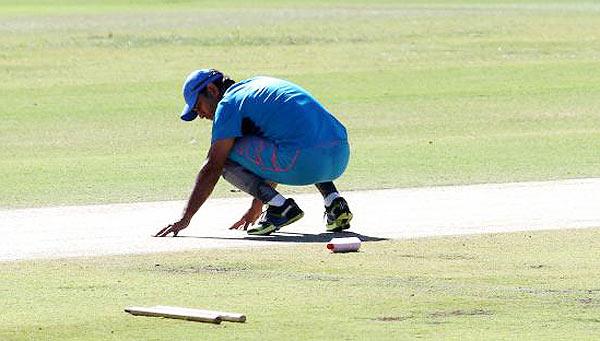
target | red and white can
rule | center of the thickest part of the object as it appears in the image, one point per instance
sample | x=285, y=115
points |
x=348, y=244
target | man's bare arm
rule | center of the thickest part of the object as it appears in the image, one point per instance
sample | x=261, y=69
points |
x=249, y=218
x=205, y=183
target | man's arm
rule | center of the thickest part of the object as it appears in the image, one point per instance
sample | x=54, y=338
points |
x=253, y=213
x=205, y=183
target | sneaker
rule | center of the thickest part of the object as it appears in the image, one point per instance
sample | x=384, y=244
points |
x=275, y=218
x=338, y=215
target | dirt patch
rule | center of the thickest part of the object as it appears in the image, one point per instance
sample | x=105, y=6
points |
x=313, y=277
x=589, y=302
x=593, y=320
x=412, y=256
x=444, y=257
x=455, y=257
x=586, y=300
x=537, y=266
x=201, y=269
x=85, y=287
x=392, y=318
x=461, y=312
x=90, y=230
x=536, y=291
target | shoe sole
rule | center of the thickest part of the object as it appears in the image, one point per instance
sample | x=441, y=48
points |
x=291, y=221
x=272, y=228
x=264, y=232
x=341, y=223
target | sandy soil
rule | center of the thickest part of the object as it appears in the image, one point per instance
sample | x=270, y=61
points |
x=57, y=232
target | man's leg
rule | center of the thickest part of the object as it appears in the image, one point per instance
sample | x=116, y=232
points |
x=280, y=212
x=328, y=191
x=248, y=182
x=336, y=208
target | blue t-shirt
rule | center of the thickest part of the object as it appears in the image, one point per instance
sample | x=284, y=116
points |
x=277, y=110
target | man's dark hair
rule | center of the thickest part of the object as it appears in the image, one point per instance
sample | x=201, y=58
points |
x=222, y=83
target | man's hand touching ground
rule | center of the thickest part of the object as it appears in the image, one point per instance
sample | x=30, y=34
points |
x=250, y=217
x=173, y=228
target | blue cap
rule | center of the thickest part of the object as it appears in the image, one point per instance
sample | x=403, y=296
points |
x=196, y=82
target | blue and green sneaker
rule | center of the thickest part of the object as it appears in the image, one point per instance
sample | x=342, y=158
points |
x=338, y=215
x=275, y=218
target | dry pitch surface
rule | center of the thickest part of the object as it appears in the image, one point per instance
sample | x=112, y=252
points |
x=57, y=232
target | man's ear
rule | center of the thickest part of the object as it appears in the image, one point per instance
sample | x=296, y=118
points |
x=213, y=90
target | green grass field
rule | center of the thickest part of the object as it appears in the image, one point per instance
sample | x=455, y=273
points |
x=537, y=286
x=444, y=93
x=432, y=93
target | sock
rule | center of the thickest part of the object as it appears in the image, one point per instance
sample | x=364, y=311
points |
x=277, y=201
x=330, y=198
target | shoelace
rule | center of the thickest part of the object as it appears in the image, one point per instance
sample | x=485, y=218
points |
x=325, y=213
x=339, y=206
x=263, y=217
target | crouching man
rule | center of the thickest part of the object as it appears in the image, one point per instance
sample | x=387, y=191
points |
x=265, y=131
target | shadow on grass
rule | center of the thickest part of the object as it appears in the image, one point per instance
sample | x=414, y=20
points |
x=291, y=237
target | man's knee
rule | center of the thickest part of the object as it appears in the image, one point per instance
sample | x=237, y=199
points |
x=247, y=181
x=235, y=174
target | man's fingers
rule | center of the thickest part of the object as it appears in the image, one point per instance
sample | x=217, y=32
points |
x=161, y=232
x=165, y=232
x=237, y=224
